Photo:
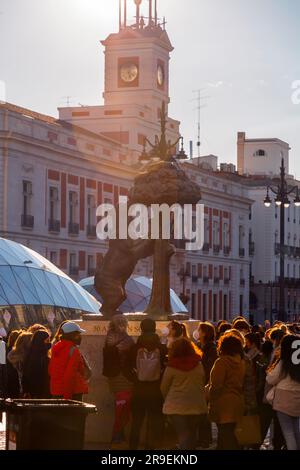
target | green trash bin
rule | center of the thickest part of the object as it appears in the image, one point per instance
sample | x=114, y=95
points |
x=45, y=424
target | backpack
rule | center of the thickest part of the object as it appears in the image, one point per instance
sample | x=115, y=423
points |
x=148, y=366
x=111, y=361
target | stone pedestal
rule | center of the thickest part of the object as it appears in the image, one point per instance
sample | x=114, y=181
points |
x=99, y=426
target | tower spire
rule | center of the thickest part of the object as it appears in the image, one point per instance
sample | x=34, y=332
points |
x=150, y=12
x=125, y=13
x=138, y=6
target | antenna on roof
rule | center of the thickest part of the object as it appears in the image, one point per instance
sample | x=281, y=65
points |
x=67, y=100
x=199, y=98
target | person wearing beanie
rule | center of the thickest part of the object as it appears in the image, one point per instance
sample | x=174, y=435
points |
x=146, y=362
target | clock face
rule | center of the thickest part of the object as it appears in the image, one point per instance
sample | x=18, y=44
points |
x=160, y=75
x=129, y=73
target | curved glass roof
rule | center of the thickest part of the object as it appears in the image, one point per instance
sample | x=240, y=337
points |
x=138, y=290
x=27, y=278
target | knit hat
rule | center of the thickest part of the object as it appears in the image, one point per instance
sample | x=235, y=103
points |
x=148, y=326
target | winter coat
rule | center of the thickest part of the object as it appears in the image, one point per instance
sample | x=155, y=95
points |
x=12, y=380
x=124, y=343
x=249, y=385
x=182, y=387
x=286, y=392
x=226, y=394
x=36, y=380
x=66, y=370
x=209, y=357
x=17, y=360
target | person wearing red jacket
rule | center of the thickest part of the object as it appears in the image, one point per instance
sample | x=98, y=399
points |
x=67, y=365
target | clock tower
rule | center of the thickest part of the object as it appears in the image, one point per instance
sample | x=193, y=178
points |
x=136, y=81
x=137, y=62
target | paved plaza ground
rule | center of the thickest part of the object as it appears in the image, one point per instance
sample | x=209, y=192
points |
x=2, y=434
x=266, y=445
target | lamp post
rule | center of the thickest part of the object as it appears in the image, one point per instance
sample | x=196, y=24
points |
x=183, y=274
x=282, y=201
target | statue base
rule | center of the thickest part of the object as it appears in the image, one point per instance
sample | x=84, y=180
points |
x=99, y=427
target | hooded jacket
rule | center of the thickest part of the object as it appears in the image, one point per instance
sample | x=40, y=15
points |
x=183, y=385
x=226, y=389
x=66, y=370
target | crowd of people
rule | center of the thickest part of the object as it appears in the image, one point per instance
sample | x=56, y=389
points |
x=41, y=367
x=172, y=383
x=218, y=375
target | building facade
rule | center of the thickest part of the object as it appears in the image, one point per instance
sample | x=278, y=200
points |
x=259, y=162
x=55, y=172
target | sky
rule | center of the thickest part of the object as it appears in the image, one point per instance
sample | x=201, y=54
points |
x=244, y=56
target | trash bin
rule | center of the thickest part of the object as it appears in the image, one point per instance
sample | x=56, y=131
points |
x=45, y=424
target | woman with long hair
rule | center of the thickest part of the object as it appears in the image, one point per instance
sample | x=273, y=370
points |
x=35, y=370
x=18, y=355
x=182, y=387
x=207, y=345
x=176, y=330
x=285, y=395
x=226, y=390
x=12, y=379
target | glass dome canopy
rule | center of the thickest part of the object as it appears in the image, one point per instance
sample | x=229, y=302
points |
x=27, y=278
x=138, y=290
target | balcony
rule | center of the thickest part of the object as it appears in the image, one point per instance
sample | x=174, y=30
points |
x=54, y=226
x=74, y=270
x=251, y=248
x=216, y=280
x=277, y=249
x=226, y=281
x=242, y=252
x=91, y=231
x=205, y=247
x=226, y=250
x=73, y=228
x=297, y=254
x=242, y=282
x=194, y=279
x=216, y=249
x=27, y=221
x=205, y=279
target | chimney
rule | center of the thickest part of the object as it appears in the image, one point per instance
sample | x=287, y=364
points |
x=191, y=149
x=241, y=137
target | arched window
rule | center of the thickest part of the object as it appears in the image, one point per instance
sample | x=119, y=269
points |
x=260, y=153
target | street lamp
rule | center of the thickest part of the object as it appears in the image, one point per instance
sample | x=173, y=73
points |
x=283, y=202
x=162, y=150
x=184, y=273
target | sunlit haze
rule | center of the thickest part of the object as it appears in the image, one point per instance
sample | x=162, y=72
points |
x=244, y=55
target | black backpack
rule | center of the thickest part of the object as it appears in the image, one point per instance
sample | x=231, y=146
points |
x=111, y=361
